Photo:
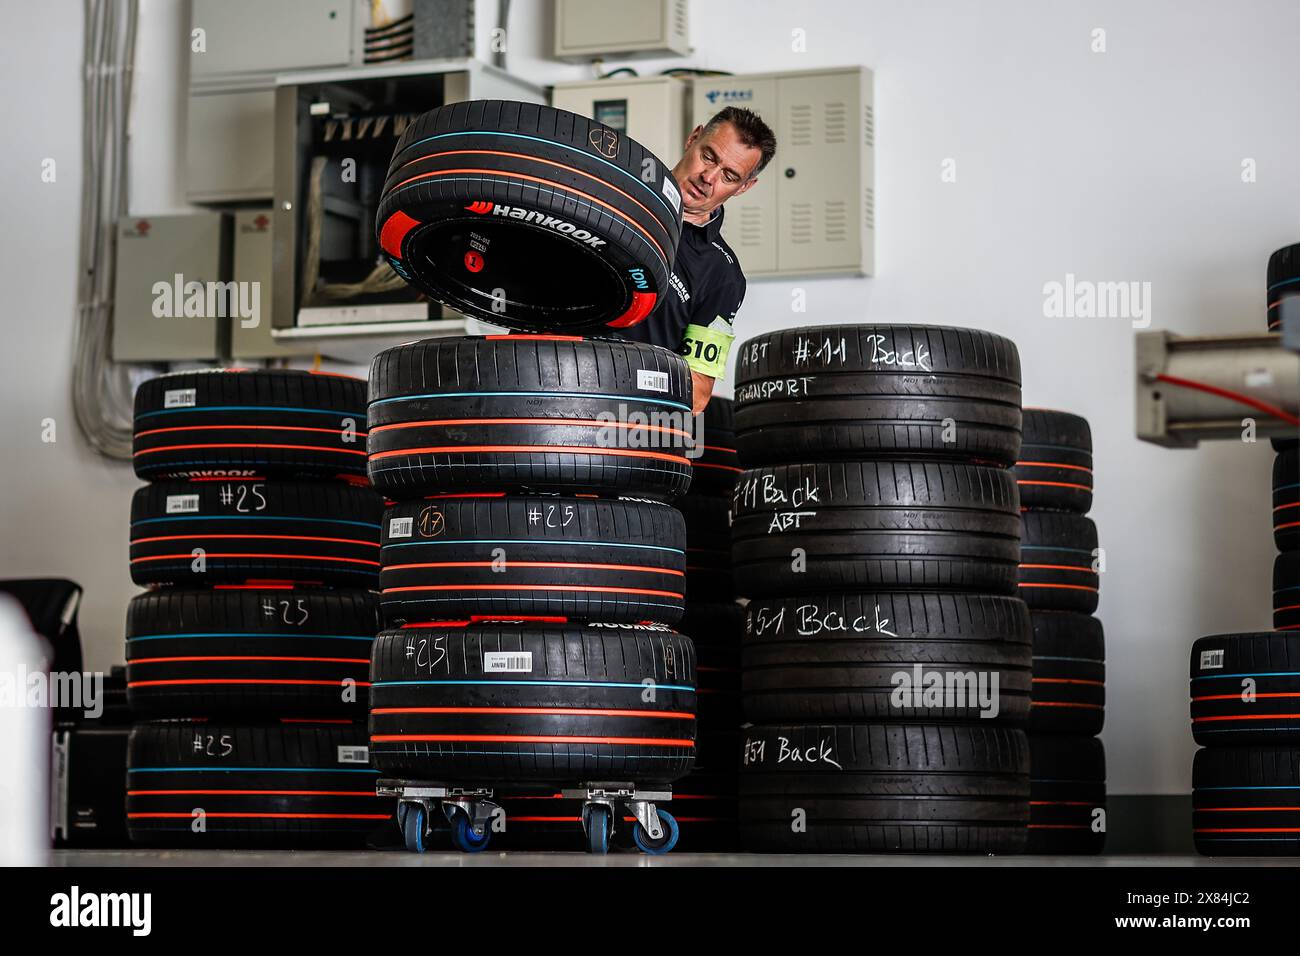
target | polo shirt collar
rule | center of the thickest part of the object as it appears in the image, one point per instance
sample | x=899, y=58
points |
x=712, y=228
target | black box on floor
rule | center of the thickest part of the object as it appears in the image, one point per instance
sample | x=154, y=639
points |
x=88, y=773
x=88, y=786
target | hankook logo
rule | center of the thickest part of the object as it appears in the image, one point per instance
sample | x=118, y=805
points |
x=541, y=218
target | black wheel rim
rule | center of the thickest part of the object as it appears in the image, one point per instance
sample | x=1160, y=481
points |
x=543, y=278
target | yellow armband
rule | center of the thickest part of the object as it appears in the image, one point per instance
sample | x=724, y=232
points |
x=706, y=349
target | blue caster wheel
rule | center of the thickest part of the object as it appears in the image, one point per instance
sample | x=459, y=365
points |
x=463, y=836
x=595, y=824
x=667, y=840
x=411, y=818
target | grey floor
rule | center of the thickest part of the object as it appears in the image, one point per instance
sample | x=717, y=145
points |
x=622, y=859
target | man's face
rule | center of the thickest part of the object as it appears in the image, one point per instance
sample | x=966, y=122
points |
x=714, y=167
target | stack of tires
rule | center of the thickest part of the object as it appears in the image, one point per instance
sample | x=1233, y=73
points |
x=1246, y=780
x=1284, y=284
x=532, y=568
x=532, y=561
x=248, y=657
x=716, y=623
x=1059, y=577
x=875, y=530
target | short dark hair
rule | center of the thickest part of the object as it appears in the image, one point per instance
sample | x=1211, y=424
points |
x=754, y=133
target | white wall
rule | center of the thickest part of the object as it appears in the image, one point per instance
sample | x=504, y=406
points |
x=65, y=512
x=1116, y=166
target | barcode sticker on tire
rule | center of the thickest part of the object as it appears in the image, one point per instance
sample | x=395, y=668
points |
x=508, y=662
x=182, y=504
x=1212, y=660
x=652, y=380
x=670, y=190
x=354, y=754
x=180, y=398
x=400, y=527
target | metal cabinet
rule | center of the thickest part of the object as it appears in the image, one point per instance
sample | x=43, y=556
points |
x=650, y=109
x=593, y=29
x=812, y=211
x=251, y=267
x=233, y=60
x=229, y=137
x=171, y=299
x=243, y=37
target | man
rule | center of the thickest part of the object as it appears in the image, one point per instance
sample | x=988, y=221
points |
x=694, y=318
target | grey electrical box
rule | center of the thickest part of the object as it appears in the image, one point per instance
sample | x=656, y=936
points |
x=230, y=146
x=812, y=212
x=171, y=291
x=252, y=37
x=236, y=48
x=239, y=47
x=591, y=29
x=250, y=338
x=650, y=109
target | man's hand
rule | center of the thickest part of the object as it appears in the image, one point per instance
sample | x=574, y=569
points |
x=701, y=391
